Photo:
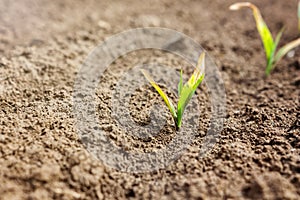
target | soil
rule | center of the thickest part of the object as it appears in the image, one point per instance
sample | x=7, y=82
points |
x=42, y=48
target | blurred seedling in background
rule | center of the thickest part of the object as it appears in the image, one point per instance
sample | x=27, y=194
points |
x=185, y=91
x=272, y=55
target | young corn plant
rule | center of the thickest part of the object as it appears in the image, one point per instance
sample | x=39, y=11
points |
x=185, y=91
x=270, y=45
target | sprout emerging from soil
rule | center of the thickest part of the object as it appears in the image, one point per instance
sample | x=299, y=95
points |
x=270, y=45
x=185, y=91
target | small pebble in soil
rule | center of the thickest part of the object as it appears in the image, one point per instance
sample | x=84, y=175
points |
x=291, y=54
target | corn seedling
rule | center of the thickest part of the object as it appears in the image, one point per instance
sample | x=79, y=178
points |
x=270, y=45
x=185, y=91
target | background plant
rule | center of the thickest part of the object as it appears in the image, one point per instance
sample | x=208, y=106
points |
x=270, y=45
x=185, y=91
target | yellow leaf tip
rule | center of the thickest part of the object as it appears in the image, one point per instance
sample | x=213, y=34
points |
x=201, y=63
x=240, y=5
x=234, y=7
x=147, y=76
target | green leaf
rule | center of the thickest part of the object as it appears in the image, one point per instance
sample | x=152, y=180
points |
x=266, y=39
x=190, y=87
x=162, y=94
x=271, y=63
x=199, y=70
x=262, y=27
x=180, y=84
x=186, y=95
x=199, y=81
x=285, y=49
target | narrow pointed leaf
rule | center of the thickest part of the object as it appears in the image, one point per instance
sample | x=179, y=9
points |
x=200, y=68
x=285, y=49
x=201, y=63
x=271, y=63
x=180, y=84
x=162, y=94
x=262, y=27
x=190, y=87
x=186, y=95
x=198, y=82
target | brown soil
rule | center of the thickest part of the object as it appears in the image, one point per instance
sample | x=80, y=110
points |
x=41, y=155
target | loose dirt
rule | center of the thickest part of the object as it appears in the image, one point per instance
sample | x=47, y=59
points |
x=42, y=157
